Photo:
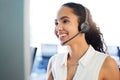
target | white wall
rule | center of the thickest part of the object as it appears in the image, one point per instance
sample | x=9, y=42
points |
x=42, y=14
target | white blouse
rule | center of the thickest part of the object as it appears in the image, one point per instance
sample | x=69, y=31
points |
x=88, y=68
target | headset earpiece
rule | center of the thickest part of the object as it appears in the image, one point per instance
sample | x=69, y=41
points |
x=84, y=28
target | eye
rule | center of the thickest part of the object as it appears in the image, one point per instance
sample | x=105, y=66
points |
x=65, y=21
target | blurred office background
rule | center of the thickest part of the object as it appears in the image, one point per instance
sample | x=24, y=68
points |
x=44, y=43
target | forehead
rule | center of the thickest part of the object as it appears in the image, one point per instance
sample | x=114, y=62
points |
x=65, y=11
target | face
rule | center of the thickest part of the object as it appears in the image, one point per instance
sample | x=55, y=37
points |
x=66, y=24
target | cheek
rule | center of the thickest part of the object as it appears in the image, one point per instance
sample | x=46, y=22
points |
x=73, y=29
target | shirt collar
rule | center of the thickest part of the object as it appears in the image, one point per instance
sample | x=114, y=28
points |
x=64, y=61
x=87, y=56
x=84, y=60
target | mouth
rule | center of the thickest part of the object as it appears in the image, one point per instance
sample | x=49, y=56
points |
x=63, y=36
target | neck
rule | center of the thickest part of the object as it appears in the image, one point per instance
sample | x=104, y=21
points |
x=76, y=51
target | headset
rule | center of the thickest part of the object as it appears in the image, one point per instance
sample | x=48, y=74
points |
x=83, y=28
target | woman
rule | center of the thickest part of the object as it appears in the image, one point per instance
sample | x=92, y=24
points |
x=86, y=59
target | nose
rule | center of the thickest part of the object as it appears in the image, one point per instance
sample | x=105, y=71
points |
x=59, y=27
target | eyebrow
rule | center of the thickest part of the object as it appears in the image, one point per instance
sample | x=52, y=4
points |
x=63, y=17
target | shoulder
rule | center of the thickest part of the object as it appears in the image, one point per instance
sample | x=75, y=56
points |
x=110, y=64
x=109, y=61
x=56, y=56
x=50, y=64
x=109, y=70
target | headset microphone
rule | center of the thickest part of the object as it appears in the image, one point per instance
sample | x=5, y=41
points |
x=84, y=30
x=70, y=39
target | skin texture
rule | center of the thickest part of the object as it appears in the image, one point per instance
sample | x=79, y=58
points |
x=66, y=27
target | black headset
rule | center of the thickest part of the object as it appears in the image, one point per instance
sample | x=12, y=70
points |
x=84, y=27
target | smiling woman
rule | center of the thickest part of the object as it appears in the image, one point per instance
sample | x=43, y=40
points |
x=76, y=30
x=42, y=22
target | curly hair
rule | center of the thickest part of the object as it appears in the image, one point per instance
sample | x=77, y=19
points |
x=93, y=36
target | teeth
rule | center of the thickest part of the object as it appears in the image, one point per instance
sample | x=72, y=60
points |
x=62, y=35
